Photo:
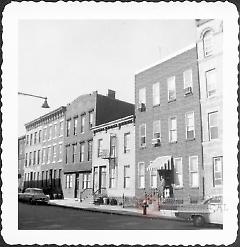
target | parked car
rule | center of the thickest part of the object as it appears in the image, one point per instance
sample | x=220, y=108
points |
x=33, y=196
x=209, y=211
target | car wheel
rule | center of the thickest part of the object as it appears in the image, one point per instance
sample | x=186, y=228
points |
x=198, y=221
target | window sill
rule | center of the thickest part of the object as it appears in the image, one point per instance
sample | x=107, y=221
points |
x=156, y=105
x=190, y=139
x=142, y=147
x=194, y=188
x=188, y=94
x=178, y=187
x=172, y=100
x=173, y=142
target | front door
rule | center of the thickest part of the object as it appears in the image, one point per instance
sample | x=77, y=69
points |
x=102, y=178
x=76, y=191
x=95, y=179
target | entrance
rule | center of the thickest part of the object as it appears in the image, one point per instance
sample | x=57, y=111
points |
x=166, y=181
x=76, y=191
x=102, y=178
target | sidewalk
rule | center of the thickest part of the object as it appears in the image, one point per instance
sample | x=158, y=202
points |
x=109, y=209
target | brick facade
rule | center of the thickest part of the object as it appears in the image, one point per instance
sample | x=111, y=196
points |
x=21, y=160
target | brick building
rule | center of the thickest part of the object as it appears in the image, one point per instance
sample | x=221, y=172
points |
x=113, y=162
x=209, y=45
x=44, y=152
x=82, y=114
x=168, y=128
x=21, y=157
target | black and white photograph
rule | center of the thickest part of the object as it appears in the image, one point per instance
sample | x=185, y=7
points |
x=120, y=118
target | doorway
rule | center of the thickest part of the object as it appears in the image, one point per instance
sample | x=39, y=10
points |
x=102, y=178
x=76, y=191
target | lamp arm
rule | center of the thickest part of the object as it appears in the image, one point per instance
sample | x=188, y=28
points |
x=32, y=95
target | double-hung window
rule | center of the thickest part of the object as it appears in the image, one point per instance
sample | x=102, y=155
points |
x=61, y=128
x=75, y=120
x=217, y=171
x=142, y=135
x=178, y=176
x=211, y=83
x=208, y=43
x=34, y=157
x=26, y=159
x=68, y=127
x=112, y=176
x=60, y=147
x=54, y=153
x=126, y=142
x=38, y=157
x=68, y=181
x=49, y=155
x=213, y=125
x=171, y=88
x=141, y=175
x=91, y=119
x=100, y=147
x=190, y=128
x=156, y=93
x=74, y=152
x=157, y=131
x=30, y=158
x=126, y=173
x=89, y=150
x=35, y=137
x=82, y=127
x=173, y=129
x=113, y=145
x=142, y=99
x=50, y=133
x=81, y=156
x=193, y=171
x=39, y=136
x=31, y=137
x=187, y=81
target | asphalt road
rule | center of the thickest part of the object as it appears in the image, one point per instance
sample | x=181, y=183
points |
x=44, y=217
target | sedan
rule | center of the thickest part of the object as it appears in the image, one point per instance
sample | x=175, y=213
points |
x=33, y=196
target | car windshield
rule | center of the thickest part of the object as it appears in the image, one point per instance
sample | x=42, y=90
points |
x=34, y=191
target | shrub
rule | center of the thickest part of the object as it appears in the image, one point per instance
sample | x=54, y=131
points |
x=113, y=201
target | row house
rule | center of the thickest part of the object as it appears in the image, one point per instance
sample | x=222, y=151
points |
x=209, y=46
x=44, y=152
x=82, y=114
x=113, y=160
x=168, y=128
x=21, y=159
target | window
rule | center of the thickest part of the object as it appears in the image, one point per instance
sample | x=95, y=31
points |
x=50, y=133
x=211, y=83
x=90, y=119
x=100, y=146
x=60, y=176
x=26, y=159
x=39, y=136
x=30, y=159
x=54, y=177
x=213, y=125
x=193, y=171
x=208, y=43
x=27, y=140
x=126, y=182
x=142, y=96
x=141, y=175
x=35, y=137
x=68, y=181
x=86, y=180
x=187, y=81
x=54, y=131
x=31, y=136
x=34, y=157
x=66, y=154
x=82, y=123
x=171, y=89
x=44, y=134
x=75, y=126
x=142, y=134
x=153, y=179
x=126, y=142
x=157, y=130
x=43, y=155
x=61, y=128
x=173, y=129
x=60, y=152
x=90, y=150
x=217, y=171
x=156, y=93
x=113, y=146
x=112, y=176
x=68, y=126
x=74, y=153
x=54, y=153
x=42, y=177
x=38, y=157
x=49, y=155
x=81, y=156
x=190, y=128
x=178, y=177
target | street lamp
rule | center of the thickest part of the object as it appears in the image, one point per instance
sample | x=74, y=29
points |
x=44, y=105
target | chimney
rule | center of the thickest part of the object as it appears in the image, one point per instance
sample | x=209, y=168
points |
x=111, y=94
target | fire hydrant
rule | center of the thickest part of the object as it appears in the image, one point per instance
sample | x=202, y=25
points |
x=144, y=207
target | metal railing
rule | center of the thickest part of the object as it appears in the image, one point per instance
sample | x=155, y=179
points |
x=83, y=192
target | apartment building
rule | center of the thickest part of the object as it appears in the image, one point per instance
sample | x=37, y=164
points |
x=210, y=50
x=113, y=159
x=44, y=152
x=82, y=114
x=21, y=157
x=168, y=128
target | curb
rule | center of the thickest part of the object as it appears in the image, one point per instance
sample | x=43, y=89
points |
x=127, y=213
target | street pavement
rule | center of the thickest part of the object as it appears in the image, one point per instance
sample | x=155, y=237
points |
x=49, y=217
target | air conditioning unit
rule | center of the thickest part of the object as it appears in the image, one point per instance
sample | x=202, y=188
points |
x=156, y=142
x=142, y=107
x=188, y=90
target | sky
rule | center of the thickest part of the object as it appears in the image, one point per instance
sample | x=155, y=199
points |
x=62, y=59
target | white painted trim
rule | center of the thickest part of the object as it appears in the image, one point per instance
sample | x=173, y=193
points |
x=176, y=53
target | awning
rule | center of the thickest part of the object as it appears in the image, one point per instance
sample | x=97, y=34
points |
x=160, y=163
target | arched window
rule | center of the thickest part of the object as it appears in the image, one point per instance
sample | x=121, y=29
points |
x=208, y=43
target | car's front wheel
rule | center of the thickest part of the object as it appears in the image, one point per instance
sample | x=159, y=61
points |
x=198, y=221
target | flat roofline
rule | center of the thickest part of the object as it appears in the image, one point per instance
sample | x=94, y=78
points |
x=117, y=121
x=170, y=56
